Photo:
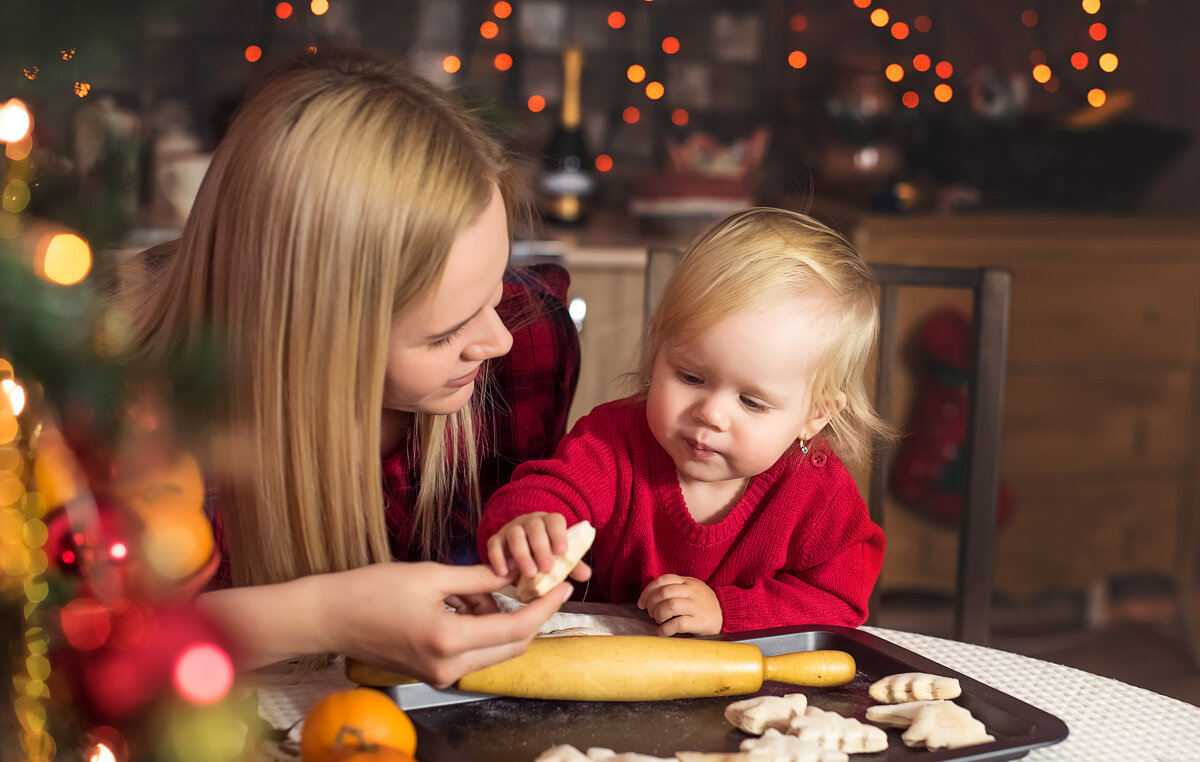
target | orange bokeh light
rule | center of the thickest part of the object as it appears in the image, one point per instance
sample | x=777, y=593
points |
x=451, y=64
x=1108, y=61
x=655, y=90
x=1051, y=86
x=1096, y=97
x=679, y=117
x=283, y=10
x=319, y=7
x=797, y=59
x=880, y=17
x=670, y=45
x=66, y=259
x=488, y=30
x=894, y=72
x=502, y=61
x=922, y=24
x=862, y=3
x=536, y=103
x=604, y=163
x=922, y=62
x=944, y=69
x=502, y=10
x=1042, y=73
x=1097, y=31
x=798, y=22
x=900, y=30
x=1037, y=56
x=1029, y=18
x=943, y=93
x=1079, y=60
x=253, y=53
x=1091, y=6
x=616, y=19
x=631, y=115
x=910, y=99
x=636, y=73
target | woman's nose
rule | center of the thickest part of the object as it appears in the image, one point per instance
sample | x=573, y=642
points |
x=493, y=340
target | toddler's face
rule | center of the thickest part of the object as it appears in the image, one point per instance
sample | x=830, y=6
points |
x=727, y=404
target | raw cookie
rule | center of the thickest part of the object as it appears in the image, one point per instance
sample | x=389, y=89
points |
x=579, y=539
x=754, y=715
x=945, y=725
x=896, y=715
x=914, y=686
x=831, y=730
x=776, y=747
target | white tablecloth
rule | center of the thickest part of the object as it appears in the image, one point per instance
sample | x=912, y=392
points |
x=1108, y=719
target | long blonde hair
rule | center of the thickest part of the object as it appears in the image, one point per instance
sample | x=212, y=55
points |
x=329, y=207
x=756, y=253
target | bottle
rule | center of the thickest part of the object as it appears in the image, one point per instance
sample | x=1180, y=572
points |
x=567, y=182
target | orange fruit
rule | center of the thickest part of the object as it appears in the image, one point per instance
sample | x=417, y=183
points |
x=353, y=724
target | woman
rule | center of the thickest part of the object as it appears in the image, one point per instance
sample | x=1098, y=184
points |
x=346, y=249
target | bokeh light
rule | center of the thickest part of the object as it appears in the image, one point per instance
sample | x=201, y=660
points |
x=636, y=73
x=15, y=121
x=631, y=115
x=797, y=59
x=283, y=10
x=1052, y=85
x=502, y=61
x=900, y=30
x=1108, y=61
x=203, y=674
x=798, y=22
x=655, y=90
x=880, y=17
x=943, y=93
x=910, y=99
x=944, y=69
x=1042, y=73
x=253, y=53
x=862, y=3
x=1097, y=31
x=66, y=260
x=1079, y=60
x=1037, y=56
x=1029, y=18
x=616, y=19
x=85, y=623
x=489, y=30
x=679, y=117
x=451, y=64
x=1097, y=97
x=502, y=10
x=83, y=88
x=922, y=24
x=604, y=163
x=894, y=72
x=16, y=196
x=921, y=62
x=670, y=45
x=536, y=103
x=1091, y=6
x=319, y=7
x=118, y=551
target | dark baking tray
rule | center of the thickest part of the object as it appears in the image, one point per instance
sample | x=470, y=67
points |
x=502, y=729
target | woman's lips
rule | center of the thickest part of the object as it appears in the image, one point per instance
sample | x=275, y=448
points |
x=464, y=380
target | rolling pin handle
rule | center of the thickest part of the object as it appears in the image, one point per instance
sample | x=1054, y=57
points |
x=818, y=669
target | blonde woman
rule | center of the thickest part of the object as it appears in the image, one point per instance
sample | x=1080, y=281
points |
x=718, y=491
x=348, y=250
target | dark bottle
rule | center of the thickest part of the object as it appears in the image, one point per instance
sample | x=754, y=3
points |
x=567, y=182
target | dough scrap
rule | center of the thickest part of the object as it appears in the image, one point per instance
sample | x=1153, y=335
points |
x=914, y=686
x=562, y=753
x=774, y=746
x=754, y=715
x=579, y=539
x=897, y=715
x=721, y=756
x=599, y=623
x=945, y=725
x=831, y=730
x=608, y=755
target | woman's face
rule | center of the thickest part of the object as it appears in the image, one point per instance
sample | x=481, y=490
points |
x=435, y=348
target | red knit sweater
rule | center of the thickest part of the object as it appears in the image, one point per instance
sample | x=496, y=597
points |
x=798, y=548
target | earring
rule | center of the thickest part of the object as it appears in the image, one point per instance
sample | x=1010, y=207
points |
x=803, y=445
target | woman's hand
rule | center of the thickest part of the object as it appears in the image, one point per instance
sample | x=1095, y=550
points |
x=529, y=544
x=682, y=604
x=391, y=615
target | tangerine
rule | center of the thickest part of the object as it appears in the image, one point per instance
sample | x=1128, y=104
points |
x=353, y=723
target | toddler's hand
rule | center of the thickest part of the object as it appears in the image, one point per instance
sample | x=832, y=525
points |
x=531, y=542
x=682, y=604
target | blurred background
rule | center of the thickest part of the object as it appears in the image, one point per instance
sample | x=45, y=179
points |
x=1054, y=138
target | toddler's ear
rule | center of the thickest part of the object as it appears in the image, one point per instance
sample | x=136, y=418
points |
x=823, y=412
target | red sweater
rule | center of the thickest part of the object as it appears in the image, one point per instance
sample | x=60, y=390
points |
x=798, y=548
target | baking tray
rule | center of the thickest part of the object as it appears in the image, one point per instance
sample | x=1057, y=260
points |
x=453, y=726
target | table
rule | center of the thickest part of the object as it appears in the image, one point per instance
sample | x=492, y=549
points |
x=1108, y=719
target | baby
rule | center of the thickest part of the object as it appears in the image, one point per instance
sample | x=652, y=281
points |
x=718, y=490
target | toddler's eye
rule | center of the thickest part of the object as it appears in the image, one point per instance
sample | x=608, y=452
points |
x=753, y=404
x=687, y=378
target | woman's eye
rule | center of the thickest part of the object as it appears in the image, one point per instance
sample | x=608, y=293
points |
x=445, y=340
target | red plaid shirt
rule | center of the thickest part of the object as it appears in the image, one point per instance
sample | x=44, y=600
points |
x=523, y=413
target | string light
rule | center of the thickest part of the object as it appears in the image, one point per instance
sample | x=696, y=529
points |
x=670, y=45
x=797, y=59
x=451, y=64
x=319, y=7
x=880, y=17
x=283, y=10
x=502, y=61
x=910, y=99
x=900, y=30
x=1079, y=60
x=798, y=22
x=616, y=19
x=921, y=62
x=679, y=117
x=1091, y=7
x=65, y=259
x=944, y=69
x=1108, y=62
x=604, y=163
x=502, y=10
x=922, y=24
x=15, y=121
x=1096, y=97
x=943, y=93
x=1097, y=31
x=536, y=103
x=636, y=73
x=894, y=72
x=489, y=30
x=1029, y=18
x=253, y=53
x=655, y=90
x=631, y=115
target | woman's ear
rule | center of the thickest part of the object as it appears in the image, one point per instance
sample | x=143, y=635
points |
x=822, y=413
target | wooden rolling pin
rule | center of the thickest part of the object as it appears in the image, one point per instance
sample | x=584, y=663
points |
x=637, y=668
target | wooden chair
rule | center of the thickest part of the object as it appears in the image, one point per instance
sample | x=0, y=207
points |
x=991, y=288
